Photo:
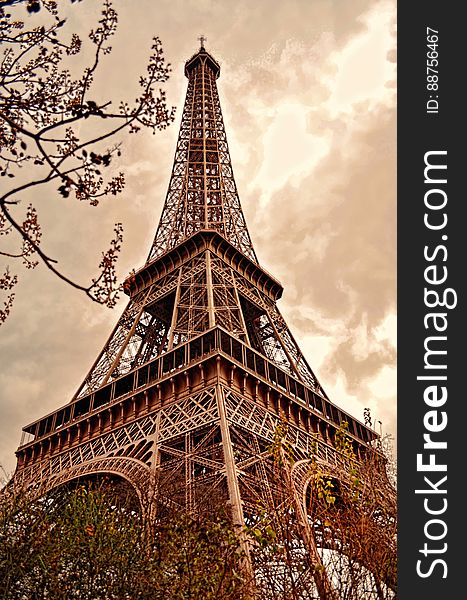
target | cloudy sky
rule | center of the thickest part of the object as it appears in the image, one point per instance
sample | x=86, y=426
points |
x=308, y=96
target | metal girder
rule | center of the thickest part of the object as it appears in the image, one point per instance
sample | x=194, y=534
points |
x=204, y=291
x=202, y=193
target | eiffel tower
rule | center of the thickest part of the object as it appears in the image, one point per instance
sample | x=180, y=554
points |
x=201, y=368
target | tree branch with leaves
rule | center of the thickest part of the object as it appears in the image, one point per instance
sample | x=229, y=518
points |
x=53, y=132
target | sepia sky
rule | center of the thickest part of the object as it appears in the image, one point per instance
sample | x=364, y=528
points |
x=307, y=89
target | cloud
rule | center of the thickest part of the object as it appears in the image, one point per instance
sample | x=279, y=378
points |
x=365, y=66
x=289, y=151
x=348, y=276
x=325, y=214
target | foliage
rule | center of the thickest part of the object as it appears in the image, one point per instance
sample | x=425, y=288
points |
x=201, y=558
x=56, y=134
x=90, y=542
x=327, y=530
x=356, y=518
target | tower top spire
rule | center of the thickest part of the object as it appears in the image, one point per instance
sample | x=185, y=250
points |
x=204, y=58
x=202, y=39
x=202, y=194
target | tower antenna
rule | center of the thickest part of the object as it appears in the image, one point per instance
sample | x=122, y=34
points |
x=202, y=39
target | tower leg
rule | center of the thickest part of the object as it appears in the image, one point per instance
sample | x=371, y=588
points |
x=233, y=488
x=150, y=510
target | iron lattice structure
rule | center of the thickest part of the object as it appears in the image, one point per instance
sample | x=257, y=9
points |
x=201, y=368
x=202, y=192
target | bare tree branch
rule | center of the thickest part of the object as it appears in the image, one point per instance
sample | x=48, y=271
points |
x=44, y=113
